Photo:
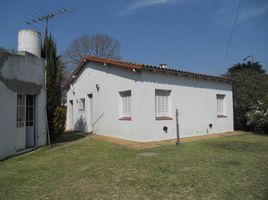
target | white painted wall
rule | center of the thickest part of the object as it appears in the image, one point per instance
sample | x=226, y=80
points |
x=195, y=99
x=111, y=81
x=8, y=141
x=20, y=69
x=40, y=119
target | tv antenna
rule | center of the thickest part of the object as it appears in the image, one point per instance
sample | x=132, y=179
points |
x=46, y=18
x=49, y=16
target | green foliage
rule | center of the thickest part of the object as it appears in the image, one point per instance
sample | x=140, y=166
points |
x=258, y=116
x=53, y=81
x=247, y=66
x=250, y=84
x=59, y=117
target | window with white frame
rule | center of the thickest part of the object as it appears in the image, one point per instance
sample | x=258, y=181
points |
x=20, y=110
x=81, y=104
x=162, y=103
x=221, y=105
x=125, y=102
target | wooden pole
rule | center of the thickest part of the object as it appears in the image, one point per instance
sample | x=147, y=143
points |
x=177, y=127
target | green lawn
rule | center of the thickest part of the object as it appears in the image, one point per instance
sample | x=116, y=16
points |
x=224, y=168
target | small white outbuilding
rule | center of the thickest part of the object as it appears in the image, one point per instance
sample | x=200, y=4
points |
x=138, y=102
x=22, y=97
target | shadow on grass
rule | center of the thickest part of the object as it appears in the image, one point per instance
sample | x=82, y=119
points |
x=235, y=146
x=70, y=137
x=264, y=133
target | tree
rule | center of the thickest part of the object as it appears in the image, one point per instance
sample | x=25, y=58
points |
x=53, y=82
x=250, y=84
x=98, y=45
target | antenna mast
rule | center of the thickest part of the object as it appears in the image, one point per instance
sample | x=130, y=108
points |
x=48, y=17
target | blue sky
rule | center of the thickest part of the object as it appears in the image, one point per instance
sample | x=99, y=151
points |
x=190, y=35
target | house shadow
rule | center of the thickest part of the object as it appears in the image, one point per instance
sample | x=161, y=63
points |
x=80, y=125
x=79, y=132
x=70, y=136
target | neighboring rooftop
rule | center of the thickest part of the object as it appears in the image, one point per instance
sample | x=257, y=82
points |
x=142, y=67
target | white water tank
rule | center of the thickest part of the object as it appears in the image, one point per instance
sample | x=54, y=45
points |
x=29, y=41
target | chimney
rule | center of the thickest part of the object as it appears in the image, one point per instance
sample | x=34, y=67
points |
x=164, y=66
x=29, y=41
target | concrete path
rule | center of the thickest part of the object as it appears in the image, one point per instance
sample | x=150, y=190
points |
x=145, y=145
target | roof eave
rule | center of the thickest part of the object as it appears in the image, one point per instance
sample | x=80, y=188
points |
x=187, y=74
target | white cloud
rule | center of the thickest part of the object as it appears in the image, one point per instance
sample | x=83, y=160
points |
x=252, y=12
x=249, y=9
x=140, y=4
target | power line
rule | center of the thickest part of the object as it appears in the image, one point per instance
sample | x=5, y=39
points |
x=231, y=36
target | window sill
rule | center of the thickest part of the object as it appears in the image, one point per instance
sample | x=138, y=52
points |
x=221, y=116
x=125, y=118
x=163, y=118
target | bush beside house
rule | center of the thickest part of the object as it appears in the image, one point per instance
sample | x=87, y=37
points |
x=258, y=116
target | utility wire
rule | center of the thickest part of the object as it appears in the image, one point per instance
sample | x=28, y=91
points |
x=231, y=36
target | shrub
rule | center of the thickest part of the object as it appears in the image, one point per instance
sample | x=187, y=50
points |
x=258, y=116
x=59, y=117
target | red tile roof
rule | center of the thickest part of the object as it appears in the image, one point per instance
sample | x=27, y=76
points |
x=141, y=67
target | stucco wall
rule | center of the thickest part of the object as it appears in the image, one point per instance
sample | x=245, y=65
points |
x=111, y=81
x=195, y=99
x=20, y=74
x=40, y=119
x=8, y=131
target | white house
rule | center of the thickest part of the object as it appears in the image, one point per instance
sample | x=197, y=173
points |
x=138, y=102
x=22, y=97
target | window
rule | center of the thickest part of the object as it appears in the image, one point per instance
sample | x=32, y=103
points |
x=162, y=104
x=20, y=110
x=125, y=105
x=81, y=104
x=221, y=105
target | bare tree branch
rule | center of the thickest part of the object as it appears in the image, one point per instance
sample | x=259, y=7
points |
x=98, y=45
